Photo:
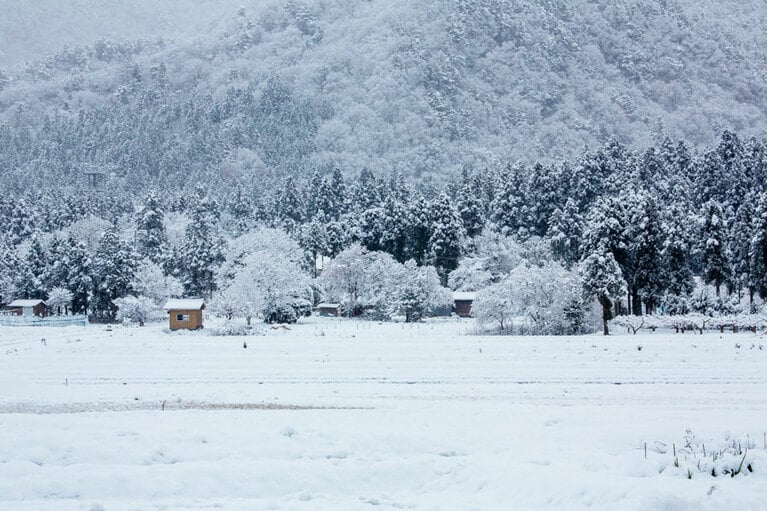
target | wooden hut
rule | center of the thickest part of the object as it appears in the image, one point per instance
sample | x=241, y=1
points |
x=185, y=314
x=462, y=303
x=27, y=308
x=329, y=309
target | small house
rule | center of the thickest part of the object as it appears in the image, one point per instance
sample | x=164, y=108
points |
x=27, y=308
x=463, y=302
x=185, y=314
x=329, y=309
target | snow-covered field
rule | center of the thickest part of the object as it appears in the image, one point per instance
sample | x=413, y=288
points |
x=346, y=415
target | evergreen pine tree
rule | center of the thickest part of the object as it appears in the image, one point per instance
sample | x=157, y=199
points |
x=114, y=266
x=507, y=207
x=647, y=244
x=30, y=282
x=714, y=258
x=151, y=239
x=241, y=210
x=79, y=279
x=418, y=230
x=758, y=251
x=607, y=230
x=470, y=205
x=447, y=236
x=201, y=252
x=394, y=228
x=739, y=237
x=565, y=231
x=331, y=197
x=602, y=280
x=365, y=192
x=290, y=206
x=676, y=252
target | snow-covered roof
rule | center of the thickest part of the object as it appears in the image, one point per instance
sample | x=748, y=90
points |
x=184, y=304
x=464, y=295
x=25, y=303
x=328, y=305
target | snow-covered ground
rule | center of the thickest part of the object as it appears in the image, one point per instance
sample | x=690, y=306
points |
x=347, y=415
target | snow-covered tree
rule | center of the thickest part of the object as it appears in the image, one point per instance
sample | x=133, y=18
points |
x=646, y=246
x=676, y=252
x=416, y=291
x=493, y=258
x=201, y=253
x=447, y=235
x=265, y=243
x=291, y=205
x=151, y=239
x=79, y=278
x=152, y=282
x=331, y=196
x=506, y=210
x=262, y=272
x=565, y=231
x=418, y=229
x=241, y=211
x=60, y=300
x=359, y=279
x=470, y=204
x=229, y=303
x=136, y=309
x=493, y=306
x=114, y=268
x=30, y=280
x=714, y=257
x=543, y=299
x=603, y=281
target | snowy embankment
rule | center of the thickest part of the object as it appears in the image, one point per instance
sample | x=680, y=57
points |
x=336, y=414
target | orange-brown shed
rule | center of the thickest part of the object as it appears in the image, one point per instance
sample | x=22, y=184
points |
x=185, y=314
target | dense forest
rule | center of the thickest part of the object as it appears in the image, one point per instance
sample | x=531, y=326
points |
x=655, y=219
x=420, y=88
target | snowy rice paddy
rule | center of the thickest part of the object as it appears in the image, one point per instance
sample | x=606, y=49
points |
x=346, y=415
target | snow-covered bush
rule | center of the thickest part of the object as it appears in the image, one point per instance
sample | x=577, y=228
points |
x=701, y=301
x=493, y=307
x=416, y=290
x=228, y=303
x=280, y=312
x=705, y=301
x=675, y=305
x=59, y=300
x=229, y=328
x=132, y=309
x=536, y=300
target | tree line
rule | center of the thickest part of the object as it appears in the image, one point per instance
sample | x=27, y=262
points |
x=645, y=222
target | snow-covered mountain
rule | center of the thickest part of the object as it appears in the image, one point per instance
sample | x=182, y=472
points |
x=421, y=87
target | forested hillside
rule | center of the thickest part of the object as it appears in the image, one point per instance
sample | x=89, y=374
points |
x=422, y=88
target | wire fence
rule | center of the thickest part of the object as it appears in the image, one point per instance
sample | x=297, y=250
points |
x=52, y=321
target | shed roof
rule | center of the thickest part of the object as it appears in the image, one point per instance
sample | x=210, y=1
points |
x=184, y=304
x=25, y=303
x=328, y=305
x=464, y=295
